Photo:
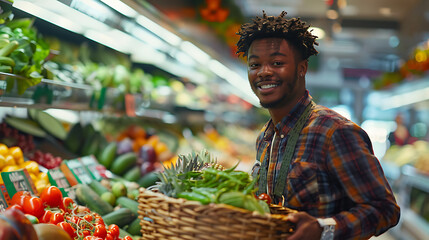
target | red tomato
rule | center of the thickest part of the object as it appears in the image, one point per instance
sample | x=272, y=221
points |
x=127, y=238
x=46, y=217
x=99, y=220
x=100, y=231
x=265, y=197
x=86, y=233
x=16, y=206
x=114, y=230
x=92, y=238
x=68, y=228
x=34, y=206
x=56, y=218
x=19, y=198
x=52, y=196
x=88, y=218
x=68, y=204
x=109, y=237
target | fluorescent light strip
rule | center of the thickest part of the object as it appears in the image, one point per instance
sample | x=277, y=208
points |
x=121, y=7
x=406, y=98
x=48, y=16
x=195, y=52
x=158, y=30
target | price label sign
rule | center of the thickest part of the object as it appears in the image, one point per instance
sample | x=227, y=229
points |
x=79, y=171
x=19, y=180
x=57, y=178
x=92, y=166
x=3, y=203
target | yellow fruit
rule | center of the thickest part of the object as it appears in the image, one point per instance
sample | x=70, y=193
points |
x=41, y=185
x=43, y=177
x=33, y=177
x=9, y=160
x=2, y=161
x=31, y=166
x=16, y=152
x=4, y=150
x=10, y=168
x=1, y=180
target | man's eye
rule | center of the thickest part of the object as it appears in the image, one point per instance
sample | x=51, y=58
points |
x=278, y=63
x=253, y=65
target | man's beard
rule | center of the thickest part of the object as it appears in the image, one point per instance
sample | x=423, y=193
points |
x=285, y=98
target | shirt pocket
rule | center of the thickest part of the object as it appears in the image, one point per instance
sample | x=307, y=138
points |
x=303, y=189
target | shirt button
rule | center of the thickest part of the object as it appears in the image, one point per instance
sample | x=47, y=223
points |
x=282, y=136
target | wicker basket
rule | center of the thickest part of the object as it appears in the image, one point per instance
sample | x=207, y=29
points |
x=168, y=218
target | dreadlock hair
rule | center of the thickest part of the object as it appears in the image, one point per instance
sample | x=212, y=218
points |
x=293, y=30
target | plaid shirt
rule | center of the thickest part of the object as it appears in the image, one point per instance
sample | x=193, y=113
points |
x=333, y=172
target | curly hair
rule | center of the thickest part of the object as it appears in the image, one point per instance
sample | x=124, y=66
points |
x=293, y=30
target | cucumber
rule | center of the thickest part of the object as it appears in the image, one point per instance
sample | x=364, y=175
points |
x=98, y=187
x=26, y=126
x=134, y=227
x=108, y=155
x=32, y=113
x=133, y=174
x=125, y=202
x=148, y=179
x=51, y=125
x=73, y=142
x=120, y=217
x=124, y=162
x=88, y=197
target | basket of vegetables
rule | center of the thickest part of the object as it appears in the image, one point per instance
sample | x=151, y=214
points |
x=198, y=199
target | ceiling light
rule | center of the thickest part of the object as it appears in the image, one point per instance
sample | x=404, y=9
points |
x=332, y=14
x=385, y=11
x=320, y=33
x=121, y=7
x=195, y=52
x=158, y=30
x=406, y=98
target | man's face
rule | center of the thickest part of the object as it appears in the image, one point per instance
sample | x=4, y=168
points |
x=273, y=72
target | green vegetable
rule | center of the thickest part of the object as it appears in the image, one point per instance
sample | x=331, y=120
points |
x=5, y=69
x=25, y=125
x=7, y=61
x=108, y=155
x=109, y=197
x=9, y=48
x=120, y=217
x=86, y=196
x=51, y=125
x=98, y=187
x=134, y=228
x=128, y=203
x=119, y=189
x=133, y=174
x=124, y=162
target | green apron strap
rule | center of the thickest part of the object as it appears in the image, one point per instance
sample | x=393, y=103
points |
x=288, y=154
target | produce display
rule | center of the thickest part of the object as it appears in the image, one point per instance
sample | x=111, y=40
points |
x=416, y=154
x=77, y=221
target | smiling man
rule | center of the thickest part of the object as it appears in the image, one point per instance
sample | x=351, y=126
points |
x=309, y=157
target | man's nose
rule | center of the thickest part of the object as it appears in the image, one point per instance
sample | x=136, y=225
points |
x=264, y=71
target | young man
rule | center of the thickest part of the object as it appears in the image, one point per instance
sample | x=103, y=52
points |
x=309, y=157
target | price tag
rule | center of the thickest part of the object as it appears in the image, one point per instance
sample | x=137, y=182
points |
x=3, y=203
x=130, y=105
x=19, y=180
x=92, y=166
x=79, y=171
x=57, y=178
x=3, y=85
x=4, y=193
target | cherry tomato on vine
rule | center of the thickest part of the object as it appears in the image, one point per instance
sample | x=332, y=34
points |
x=46, y=217
x=109, y=237
x=68, y=228
x=88, y=217
x=127, y=238
x=92, y=238
x=265, y=197
x=34, y=206
x=19, y=198
x=86, y=233
x=52, y=196
x=68, y=204
x=56, y=218
x=114, y=230
x=100, y=231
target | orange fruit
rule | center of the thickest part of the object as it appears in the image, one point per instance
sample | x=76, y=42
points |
x=10, y=161
x=2, y=161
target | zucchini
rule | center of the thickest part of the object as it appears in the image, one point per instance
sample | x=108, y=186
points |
x=125, y=202
x=52, y=125
x=124, y=162
x=98, y=187
x=108, y=155
x=133, y=174
x=120, y=217
x=88, y=197
x=134, y=227
x=9, y=48
x=26, y=126
x=148, y=179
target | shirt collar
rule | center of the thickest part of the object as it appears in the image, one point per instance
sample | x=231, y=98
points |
x=282, y=128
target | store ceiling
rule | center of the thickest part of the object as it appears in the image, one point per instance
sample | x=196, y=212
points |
x=374, y=35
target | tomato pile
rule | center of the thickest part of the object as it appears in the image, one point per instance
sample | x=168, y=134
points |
x=78, y=221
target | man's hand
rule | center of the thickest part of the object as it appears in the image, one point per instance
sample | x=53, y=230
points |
x=307, y=227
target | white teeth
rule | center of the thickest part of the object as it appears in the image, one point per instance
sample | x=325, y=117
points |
x=268, y=86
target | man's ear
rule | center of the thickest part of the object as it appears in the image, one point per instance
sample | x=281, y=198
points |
x=302, y=67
